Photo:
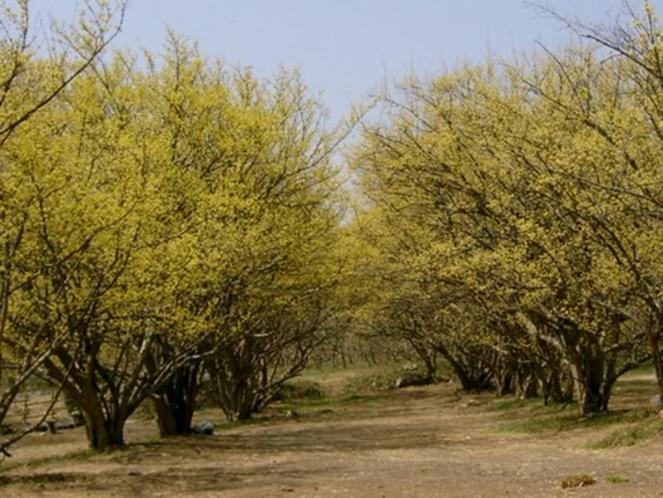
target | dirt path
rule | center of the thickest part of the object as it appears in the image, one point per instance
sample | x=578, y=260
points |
x=416, y=442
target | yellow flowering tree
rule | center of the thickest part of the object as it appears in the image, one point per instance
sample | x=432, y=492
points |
x=29, y=87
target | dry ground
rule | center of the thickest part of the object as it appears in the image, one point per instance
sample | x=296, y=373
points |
x=413, y=442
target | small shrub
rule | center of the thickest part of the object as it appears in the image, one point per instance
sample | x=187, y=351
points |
x=578, y=481
x=373, y=382
x=300, y=390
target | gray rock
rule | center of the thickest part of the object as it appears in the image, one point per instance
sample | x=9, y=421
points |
x=65, y=423
x=134, y=472
x=77, y=417
x=413, y=379
x=48, y=426
x=206, y=428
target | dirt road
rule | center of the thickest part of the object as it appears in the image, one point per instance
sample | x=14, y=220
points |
x=420, y=442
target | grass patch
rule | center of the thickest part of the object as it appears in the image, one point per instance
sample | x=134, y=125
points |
x=276, y=412
x=514, y=404
x=38, y=479
x=617, y=479
x=645, y=367
x=341, y=401
x=639, y=431
x=231, y=424
x=74, y=456
x=300, y=390
x=626, y=383
x=382, y=380
x=534, y=405
x=556, y=419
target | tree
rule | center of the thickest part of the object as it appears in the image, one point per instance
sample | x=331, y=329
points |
x=30, y=85
x=489, y=174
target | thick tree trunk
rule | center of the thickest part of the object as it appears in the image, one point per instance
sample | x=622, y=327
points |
x=473, y=381
x=103, y=433
x=175, y=405
x=173, y=420
x=594, y=383
x=593, y=402
x=504, y=373
x=474, y=376
x=240, y=404
x=526, y=385
x=556, y=387
x=504, y=382
x=233, y=388
x=592, y=367
x=655, y=336
x=244, y=412
x=104, y=418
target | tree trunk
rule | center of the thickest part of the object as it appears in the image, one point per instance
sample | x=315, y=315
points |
x=504, y=380
x=593, y=402
x=240, y=404
x=173, y=420
x=175, y=405
x=594, y=383
x=473, y=381
x=103, y=433
x=233, y=372
x=556, y=387
x=473, y=376
x=655, y=335
x=527, y=385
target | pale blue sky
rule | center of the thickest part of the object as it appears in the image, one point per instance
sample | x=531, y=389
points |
x=345, y=48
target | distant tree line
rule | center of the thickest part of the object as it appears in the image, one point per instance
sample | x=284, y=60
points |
x=516, y=216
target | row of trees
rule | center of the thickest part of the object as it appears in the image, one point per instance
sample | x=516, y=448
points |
x=516, y=213
x=168, y=220
x=162, y=218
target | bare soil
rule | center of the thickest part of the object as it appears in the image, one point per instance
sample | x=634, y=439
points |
x=426, y=442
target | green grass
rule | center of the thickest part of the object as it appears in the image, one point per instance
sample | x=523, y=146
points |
x=642, y=430
x=300, y=389
x=377, y=380
x=303, y=407
x=645, y=367
x=74, y=456
x=556, y=418
x=231, y=424
x=531, y=417
x=617, y=479
x=631, y=383
x=513, y=404
x=340, y=401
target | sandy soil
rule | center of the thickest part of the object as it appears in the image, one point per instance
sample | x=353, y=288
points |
x=419, y=442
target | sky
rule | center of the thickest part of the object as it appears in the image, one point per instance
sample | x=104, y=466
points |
x=346, y=48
